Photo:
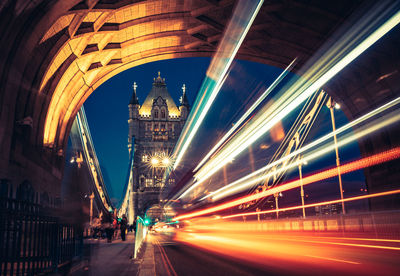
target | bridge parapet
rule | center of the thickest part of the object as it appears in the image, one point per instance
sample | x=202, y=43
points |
x=377, y=225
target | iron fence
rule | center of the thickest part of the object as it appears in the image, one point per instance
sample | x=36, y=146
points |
x=34, y=240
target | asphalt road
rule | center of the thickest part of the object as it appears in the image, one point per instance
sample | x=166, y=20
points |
x=243, y=254
x=181, y=259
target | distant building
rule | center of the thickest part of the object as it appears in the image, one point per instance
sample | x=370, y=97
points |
x=328, y=209
x=154, y=128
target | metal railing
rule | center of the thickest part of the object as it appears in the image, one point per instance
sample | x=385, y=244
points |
x=140, y=235
x=33, y=240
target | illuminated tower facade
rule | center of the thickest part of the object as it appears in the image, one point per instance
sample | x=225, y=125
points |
x=154, y=128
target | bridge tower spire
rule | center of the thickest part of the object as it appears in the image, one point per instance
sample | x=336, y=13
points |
x=133, y=120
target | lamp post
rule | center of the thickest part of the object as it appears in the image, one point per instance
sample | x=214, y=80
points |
x=277, y=195
x=331, y=104
x=300, y=163
x=91, y=197
x=78, y=159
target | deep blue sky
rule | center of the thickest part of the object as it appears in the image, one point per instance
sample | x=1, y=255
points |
x=107, y=113
x=107, y=109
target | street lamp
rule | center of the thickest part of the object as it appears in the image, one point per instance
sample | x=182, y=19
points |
x=331, y=104
x=77, y=159
x=154, y=161
x=277, y=195
x=166, y=161
x=91, y=197
x=300, y=163
x=160, y=160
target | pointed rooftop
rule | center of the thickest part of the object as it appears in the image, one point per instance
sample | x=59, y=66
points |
x=134, y=99
x=184, y=100
x=159, y=89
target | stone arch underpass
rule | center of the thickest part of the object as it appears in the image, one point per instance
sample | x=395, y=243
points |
x=54, y=54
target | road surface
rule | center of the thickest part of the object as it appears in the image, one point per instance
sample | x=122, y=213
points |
x=205, y=253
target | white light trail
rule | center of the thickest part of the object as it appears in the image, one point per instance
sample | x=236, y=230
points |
x=315, y=143
x=221, y=74
x=300, y=92
x=248, y=112
x=322, y=150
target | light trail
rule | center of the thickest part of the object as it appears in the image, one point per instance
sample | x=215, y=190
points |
x=345, y=168
x=245, y=12
x=365, y=239
x=288, y=256
x=273, y=85
x=332, y=259
x=286, y=105
x=348, y=238
x=305, y=148
x=348, y=244
x=315, y=204
x=251, y=179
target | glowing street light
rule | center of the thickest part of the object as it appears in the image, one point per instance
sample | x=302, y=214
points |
x=160, y=160
x=166, y=161
x=154, y=161
x=77, y=159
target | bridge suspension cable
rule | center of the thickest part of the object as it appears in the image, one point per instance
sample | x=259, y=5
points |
x=81, y=138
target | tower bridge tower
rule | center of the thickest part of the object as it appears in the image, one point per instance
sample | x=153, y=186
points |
x=154, y=128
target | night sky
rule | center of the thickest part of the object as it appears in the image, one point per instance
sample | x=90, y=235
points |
x=107, y=113
x=107, y=110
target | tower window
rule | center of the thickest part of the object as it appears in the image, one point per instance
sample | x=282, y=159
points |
x=156, y=113
x=163, y=113
x=149, y=182
x=144, y=158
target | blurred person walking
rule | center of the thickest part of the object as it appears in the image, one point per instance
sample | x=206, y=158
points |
x=107, y=225
x=123, y=227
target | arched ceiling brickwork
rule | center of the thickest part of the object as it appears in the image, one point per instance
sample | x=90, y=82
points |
x=56, y=53
x=91, y=41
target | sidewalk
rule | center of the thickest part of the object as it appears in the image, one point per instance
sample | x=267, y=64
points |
x=153, y=258
x=147, y=262
x=102, y=258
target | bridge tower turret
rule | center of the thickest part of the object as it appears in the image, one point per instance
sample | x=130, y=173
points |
x=133, y=120
x=184, y=108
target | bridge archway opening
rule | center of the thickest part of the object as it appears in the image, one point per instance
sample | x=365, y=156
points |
x=83, y=45
x=58, y=53
x=155, y=212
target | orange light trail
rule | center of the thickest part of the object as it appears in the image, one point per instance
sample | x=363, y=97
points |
x=345, y=168
x=315, y=204
x=345, y=244
x=332, y=259
x=346, y=238
x=229, y=139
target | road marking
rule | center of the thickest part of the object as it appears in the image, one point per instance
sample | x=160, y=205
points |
x=345, y=238
x=164, y=257
x=339, y=243
x=332, y=259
